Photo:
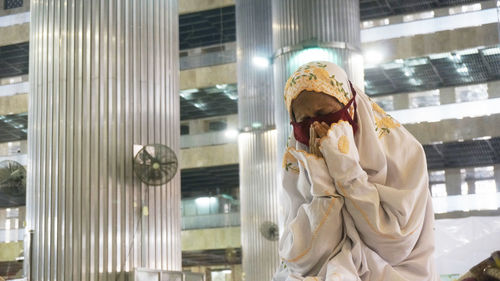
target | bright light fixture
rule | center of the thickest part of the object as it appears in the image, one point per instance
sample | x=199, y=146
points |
x=261, y=62
x=463, y=70
x=314, y=54
x=231, y=133
x=256, y=125
x=199, y=105
x=204, y=201
x=373, y=57
x=221, y=86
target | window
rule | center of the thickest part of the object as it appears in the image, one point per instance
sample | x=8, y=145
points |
x=471, y=93
x=437, y=176
x=221, y=275
x=419, y=16
x=11, y=4
x=217, y=125
x=184, y=129
x=465, y=9
x=423, y=99
x=486, y=187
x=386, y=102
x=439, y=190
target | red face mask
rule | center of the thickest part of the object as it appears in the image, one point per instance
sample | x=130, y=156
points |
x=301, y=129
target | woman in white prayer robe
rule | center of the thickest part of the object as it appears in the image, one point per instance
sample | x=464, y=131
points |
x=355, y=203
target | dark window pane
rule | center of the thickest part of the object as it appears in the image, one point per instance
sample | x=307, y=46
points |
x=11, y=4
x=184, y=129
x=217, y=125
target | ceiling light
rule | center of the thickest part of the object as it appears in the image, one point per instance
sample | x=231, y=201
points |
x=231, y=133
x=314, y=54
x=231, y=95
x=415, y=82
x=221, y=86
x=199, y=105
x=188, y=93
x=261, y=62
x=256, y=125
x=368, y=24
x=373, y=57
x=463, y=70
x=408, y=71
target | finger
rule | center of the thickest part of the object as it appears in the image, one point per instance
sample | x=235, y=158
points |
x=317, y=129
x=321, y=131
x=318, y=151
x=325, y=125
x=311, y=137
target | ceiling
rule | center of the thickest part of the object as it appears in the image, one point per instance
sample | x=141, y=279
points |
x=9, y=201
x=10, y=269
x=207, y=28
x=209, y=181
x=216, y=26
x=208, y=102
x=13, y=127
x=370, y=9
x=14, y=60
x=472, y=153
x=434, y=71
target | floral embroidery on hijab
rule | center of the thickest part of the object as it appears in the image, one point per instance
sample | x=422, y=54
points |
x=290, y=163
x=383, y=125
x=314, y=77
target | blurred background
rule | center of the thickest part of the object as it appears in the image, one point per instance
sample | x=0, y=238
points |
x=434, y=65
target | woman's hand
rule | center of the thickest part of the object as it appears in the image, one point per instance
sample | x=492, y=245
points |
x=316, y=132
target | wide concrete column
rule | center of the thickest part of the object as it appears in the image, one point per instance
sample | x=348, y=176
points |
x=453, y=179
x=497, y=176
x=257, y=140
x=104, y=76
x=304, y=31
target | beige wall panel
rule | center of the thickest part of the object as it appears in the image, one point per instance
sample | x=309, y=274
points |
x=454, y=129
x=14, y=104
x=191, y=6
x=208, y=76
x=5, y=150
x=438, y=42
x=211, y=238
x=14, y=34
x=10, y=251
x=207, y=156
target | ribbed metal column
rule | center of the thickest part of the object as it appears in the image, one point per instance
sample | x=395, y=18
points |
x=257, y=141
x=104, y=76
x=307, y=30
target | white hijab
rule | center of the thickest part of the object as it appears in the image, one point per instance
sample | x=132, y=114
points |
x=363, y=211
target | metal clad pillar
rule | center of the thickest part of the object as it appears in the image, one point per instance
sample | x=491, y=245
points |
x=257, y=141
x=304, y=31
x=103, y=76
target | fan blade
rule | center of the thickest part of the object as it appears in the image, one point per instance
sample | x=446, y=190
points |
x=168, y=163
x=147, y=155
